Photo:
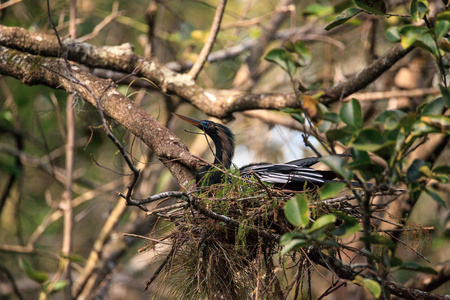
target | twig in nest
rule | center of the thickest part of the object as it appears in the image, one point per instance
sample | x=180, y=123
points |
x=155, y=275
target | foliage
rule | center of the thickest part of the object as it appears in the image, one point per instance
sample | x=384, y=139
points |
x=393, y=139
x=241, y=238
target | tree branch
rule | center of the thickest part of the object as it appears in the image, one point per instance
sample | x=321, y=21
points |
x=345, y=272
x=365, y=76
x=429, y=282
x=168, y=148
x=218, y=103
x=198, y=66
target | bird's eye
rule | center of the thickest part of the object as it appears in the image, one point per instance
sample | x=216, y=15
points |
x=204, y=124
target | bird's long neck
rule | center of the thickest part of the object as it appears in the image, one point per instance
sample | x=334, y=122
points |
x=224, y=143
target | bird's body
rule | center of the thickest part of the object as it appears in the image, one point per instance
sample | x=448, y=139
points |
x=296, y=175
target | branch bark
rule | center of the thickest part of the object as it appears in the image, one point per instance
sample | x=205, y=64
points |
x=365, y=76
x=32, y=70
x=218, y=103
x=345, y=272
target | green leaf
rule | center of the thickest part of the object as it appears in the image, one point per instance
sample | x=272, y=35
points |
x=428, y=124
x=415, y=190
x=57, y=286
x=299, y=118
x=377, y=7
x=351, y=114
x=281, y=57
x=360, y=159
x=445, y=15
x=435, y=107
x=295, y=113
x=371, y=285
x=390, y=260
x=338, y=134
x=390, y=118
x=445, y=91
x=439, y=122
x=337, y=165
x=396, y=261
x=442, y=169
x=413, y=173
x=6, y=117
x=411, y=266
x=332, y=117
x=362, y=163
x=322, y=222
x=371, y=139
x=393, y=34
x=294, y=244
x=441, y=178
x=343, y=17
x=410, y=34
x=407, y=121
x=378, y=240
x=426, y=41
x=347, y=229
x=436, y=197
x=296, y=211
x=350, y=226
x=38, y=276
x=325, y=126
x=418, y=36
x=303, y=52
x=441, y=28
x=418, y=9
x=331, y=189
x=319, y=10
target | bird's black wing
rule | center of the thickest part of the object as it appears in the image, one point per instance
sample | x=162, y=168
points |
x=292, y=175
x=310, y=161
x=304, y=162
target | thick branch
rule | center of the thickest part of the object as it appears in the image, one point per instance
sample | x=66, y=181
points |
x=429, y=282
x=345, y=272
x=218, y=103
x=34, y=70
x=366, y=75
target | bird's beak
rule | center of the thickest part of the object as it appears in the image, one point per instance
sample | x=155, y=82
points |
x=189, y=120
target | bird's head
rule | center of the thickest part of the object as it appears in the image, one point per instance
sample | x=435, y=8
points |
x=221, y=135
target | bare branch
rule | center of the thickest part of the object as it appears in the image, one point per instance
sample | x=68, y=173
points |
x=52, y=72
x=365, y=76
x=210, y=42
x=218, y=103
x=429, y=282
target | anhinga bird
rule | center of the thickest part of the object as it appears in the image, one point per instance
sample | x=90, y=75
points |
x=295, y=175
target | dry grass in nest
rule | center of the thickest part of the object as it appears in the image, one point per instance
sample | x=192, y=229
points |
x=225, y=243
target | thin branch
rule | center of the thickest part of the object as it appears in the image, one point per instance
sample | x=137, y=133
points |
x=346, y=272
x=114, y=14
x=373, y=96
x=154, y=198
x=12, y=282
x=95, y=255
x=158, y=271
x=56, y=215
x=210, y=42
x=9, y=3
x=147, y=238
x=17, y=249
x=259, y=19
x=365, y=76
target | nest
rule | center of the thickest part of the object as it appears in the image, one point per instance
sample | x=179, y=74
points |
x=225, y=243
